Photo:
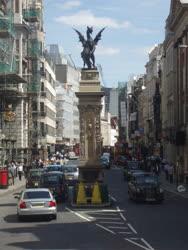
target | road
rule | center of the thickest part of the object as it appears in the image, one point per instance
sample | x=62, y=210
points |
x=125, y=225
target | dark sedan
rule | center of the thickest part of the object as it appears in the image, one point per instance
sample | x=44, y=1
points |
x=56, y=183
x=131, y=167
x=55, y=167
x=145, y=187
x=33, y=177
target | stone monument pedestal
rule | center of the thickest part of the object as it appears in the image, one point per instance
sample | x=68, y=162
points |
x=90, y=190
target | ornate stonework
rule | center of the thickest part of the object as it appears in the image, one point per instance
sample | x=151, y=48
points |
x=90, y=126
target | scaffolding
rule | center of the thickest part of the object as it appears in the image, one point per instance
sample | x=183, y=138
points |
x=7, y=25
x=32, y=14
x=34, y=48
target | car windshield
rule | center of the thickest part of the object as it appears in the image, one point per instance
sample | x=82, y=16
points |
x=36, y=195
x=50, y=178
x=54, y=168
x=141, y=179
x=70, y=169
x=35, y=174
x=133, y=165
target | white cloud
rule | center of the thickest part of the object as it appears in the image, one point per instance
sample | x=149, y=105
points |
x=86, y=17
x=70, y=4
x=100, y=50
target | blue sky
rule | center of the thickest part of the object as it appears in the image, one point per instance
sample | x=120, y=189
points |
x=133, y=28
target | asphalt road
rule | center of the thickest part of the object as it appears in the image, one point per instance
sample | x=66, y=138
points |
x=124, y=226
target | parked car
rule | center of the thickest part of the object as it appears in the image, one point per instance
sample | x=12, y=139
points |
x=129, y=168
x=56, y=183
x=145, y=187
x=105, y=162
x=71, y=173
x=54, y=167
x=33, y=177
x=36, y=202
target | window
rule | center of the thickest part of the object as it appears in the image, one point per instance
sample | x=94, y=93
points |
x=42, y=86
x=17, y=7
x=37, y=195
x=41, y=106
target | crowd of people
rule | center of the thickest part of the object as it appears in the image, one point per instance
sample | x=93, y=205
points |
x=15, y=169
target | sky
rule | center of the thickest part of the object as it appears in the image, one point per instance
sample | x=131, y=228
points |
x=133, y=27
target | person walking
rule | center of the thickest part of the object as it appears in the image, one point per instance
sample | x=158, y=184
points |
x=20, y=171
x=166, y=168
x=170, y=172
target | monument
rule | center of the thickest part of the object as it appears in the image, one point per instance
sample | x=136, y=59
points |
x=91, y=190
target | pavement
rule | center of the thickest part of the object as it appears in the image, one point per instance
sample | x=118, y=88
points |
x=17, y=185
x=172, y=187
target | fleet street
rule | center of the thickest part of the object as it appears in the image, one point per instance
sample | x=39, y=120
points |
x=125, y=225
x=85, y=163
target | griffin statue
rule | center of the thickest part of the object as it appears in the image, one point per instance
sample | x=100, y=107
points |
x=89, y=46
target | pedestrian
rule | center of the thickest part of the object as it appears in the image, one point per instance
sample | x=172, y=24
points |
x=11, y=171
x=170, y=172
x=166, y=167
x=20, y=171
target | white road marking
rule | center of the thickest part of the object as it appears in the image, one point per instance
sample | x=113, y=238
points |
x=79, y=215
x=137, y=244
x=103, y=214
x=134, y=238
x=118, y=209
x=116, y=227
x=105, y=228
x=112, y=222
x=122, y=216
x=147, y=244
x=112, y=210
x=105, y=218
x=132, y=228
x=112, y=198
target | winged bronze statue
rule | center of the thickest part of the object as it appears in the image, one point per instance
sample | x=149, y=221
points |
x=89, y=46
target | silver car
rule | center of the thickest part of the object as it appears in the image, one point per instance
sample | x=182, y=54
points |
x=36, y=202
x=71, y=173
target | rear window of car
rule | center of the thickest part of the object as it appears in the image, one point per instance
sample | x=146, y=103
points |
x=36, y=195
x=146, y=179
x=133, y=164
x=54, y=168
x=35, y=173
x=50, y=178
x=70, y=169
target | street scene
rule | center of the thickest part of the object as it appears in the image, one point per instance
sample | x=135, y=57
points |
x=123, y=225
x=93, y=124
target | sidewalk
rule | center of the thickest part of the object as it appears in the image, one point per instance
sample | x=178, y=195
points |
x=171, y=187
x=18, y=184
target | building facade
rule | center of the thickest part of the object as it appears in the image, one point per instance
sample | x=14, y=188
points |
x=175, y=108
x=24, y=67
x=67, y=104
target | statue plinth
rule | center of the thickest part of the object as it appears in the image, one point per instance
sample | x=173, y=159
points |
x=89, y=96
